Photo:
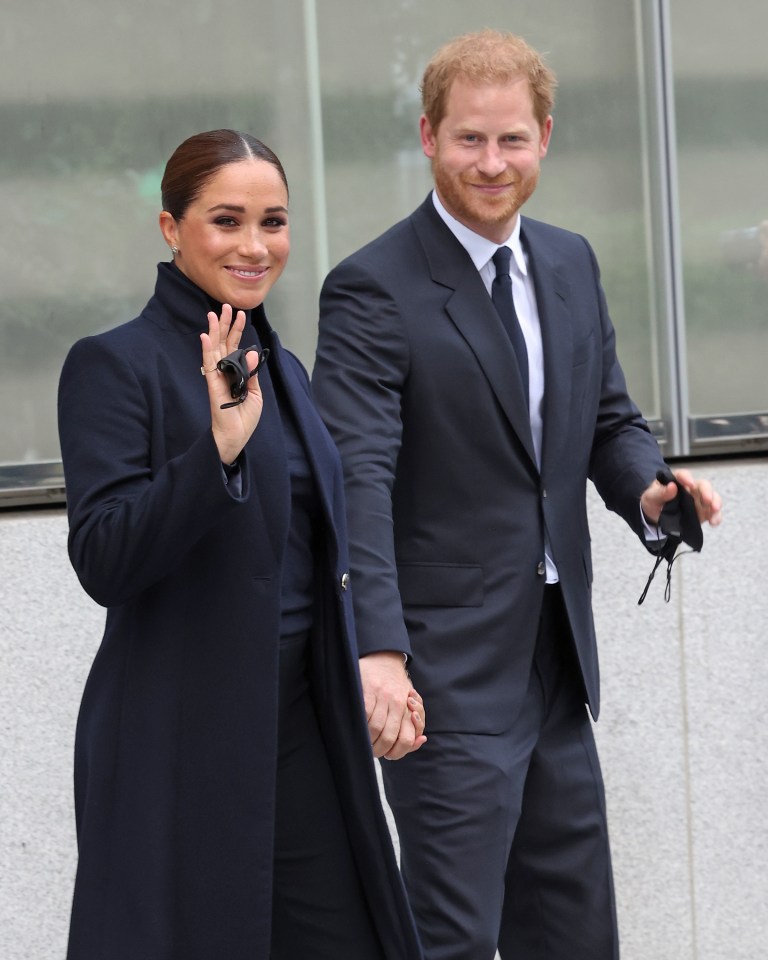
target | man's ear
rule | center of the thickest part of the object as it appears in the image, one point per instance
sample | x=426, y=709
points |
x=546, y=134
x=427, y=137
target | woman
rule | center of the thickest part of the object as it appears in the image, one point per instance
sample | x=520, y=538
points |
x=227, y=806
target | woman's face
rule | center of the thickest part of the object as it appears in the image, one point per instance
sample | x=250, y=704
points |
x=233, y=240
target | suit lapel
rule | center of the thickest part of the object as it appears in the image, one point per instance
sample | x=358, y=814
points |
x=552, y=299
x=472, y=311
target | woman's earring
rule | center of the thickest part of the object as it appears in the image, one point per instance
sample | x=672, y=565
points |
x=174, y=250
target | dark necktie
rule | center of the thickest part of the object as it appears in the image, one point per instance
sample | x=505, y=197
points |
x=501, y=294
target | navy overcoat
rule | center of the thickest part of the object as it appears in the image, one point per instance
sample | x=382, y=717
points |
x=176, y=738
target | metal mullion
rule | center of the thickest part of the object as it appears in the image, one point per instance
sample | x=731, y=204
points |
x=662, y=192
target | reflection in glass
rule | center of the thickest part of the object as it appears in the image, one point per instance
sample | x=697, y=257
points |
x=720, y=81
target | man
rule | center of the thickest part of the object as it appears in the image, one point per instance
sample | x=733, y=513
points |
x=466, y=461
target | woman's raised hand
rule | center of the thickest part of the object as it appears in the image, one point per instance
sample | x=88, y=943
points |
x=233, y=426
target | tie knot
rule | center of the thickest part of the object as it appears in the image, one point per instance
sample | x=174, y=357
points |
x=501, y=261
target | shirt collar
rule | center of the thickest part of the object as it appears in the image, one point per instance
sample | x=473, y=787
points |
x=479, y=248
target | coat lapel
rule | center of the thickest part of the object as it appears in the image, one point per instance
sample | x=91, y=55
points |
x=317, y=443
x=472, y=311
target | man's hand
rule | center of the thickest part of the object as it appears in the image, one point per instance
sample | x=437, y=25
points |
x=395, y=711
x=708, y=501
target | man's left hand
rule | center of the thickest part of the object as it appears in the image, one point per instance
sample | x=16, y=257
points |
x=708, y=501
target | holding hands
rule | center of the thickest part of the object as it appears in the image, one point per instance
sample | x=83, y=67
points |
x=232, y=427
x=394, y=709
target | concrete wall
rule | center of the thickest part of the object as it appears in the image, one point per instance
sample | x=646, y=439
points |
x=682, y=735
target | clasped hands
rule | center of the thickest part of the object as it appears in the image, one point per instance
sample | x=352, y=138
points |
x=232, y=427
x=395, y=711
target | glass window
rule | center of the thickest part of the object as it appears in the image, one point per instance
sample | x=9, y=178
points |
x=114, y=89
x=720, y=81
x=334, y=91
x=593, y=179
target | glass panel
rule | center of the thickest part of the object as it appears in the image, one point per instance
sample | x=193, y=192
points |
x=721, y=77
x=112, y=90
x=592, y=179
x=86, y=134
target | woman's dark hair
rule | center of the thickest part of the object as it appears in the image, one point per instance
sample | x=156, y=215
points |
x=199, y=158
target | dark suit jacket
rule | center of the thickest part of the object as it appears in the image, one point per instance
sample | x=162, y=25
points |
x=418, y=384
x=176, y=740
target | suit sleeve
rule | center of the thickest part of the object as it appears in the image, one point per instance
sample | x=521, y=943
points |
x=131, y=520
x=360, y=370
x=625, y=455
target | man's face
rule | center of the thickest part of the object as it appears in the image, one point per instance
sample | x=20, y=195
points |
x=486, y=154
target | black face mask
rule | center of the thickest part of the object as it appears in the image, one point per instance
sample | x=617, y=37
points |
x=679, y=522
x=235, y=368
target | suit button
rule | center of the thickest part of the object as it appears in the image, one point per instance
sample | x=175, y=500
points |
x=344, y=581
x=541, y=568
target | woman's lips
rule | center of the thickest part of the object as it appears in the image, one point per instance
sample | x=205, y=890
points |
x=247, y=273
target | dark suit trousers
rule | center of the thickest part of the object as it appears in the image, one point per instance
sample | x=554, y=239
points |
x=319, y=911
x=504, y=841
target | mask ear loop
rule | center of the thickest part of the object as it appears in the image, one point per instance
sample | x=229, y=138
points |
x=668, y=586
x=235, y=367
x=650, y=580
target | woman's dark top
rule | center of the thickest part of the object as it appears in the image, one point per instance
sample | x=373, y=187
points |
x=299, y=565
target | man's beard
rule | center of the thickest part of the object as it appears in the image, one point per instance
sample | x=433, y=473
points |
x=470, y=207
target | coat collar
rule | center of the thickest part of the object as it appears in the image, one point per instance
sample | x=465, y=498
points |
x=180, y=304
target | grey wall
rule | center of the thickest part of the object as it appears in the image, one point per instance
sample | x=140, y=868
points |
x=682, y=734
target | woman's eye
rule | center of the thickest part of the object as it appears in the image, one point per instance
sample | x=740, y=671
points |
x=225, y=222
x=274, y=222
